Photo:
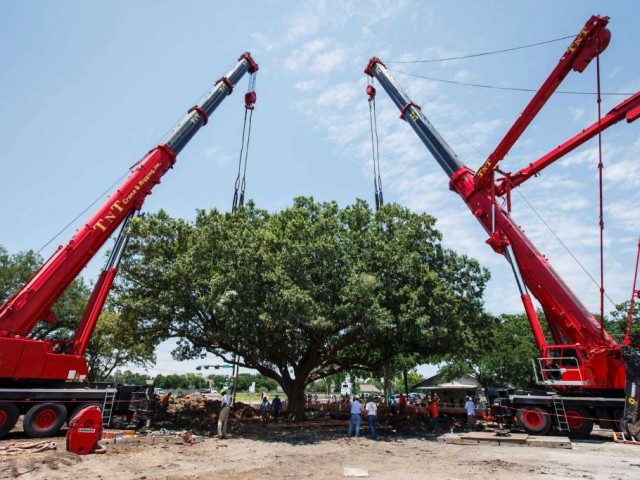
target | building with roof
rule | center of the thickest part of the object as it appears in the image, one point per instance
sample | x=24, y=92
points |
x=452, y=393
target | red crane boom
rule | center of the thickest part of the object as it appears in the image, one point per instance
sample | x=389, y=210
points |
x=25, y=358
x=583, y=361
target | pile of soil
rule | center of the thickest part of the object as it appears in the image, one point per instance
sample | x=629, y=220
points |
x=198, y=414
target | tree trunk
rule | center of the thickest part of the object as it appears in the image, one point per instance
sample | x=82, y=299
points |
x=295, y=399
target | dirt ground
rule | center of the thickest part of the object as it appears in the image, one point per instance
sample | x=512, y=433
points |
x=255, y=452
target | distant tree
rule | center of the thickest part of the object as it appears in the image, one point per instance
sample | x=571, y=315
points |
x=218, y=380
x=128, y=377
x=302, y=294
x=618, y=319
x=17, y=269
x=499, y=355
x=114, y=344
x=180, y=381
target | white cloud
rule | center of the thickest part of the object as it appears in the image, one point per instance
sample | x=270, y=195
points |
x=266, y=43
x=576, y=113
x=464, y=76
x=334, y=17
x=588, y=156
x=221, y=157
x=307, y=85
x=614, y=72
x=329, y=60
x=625, y=213
x=339, y=96
x=624, y=171
x=320, y=56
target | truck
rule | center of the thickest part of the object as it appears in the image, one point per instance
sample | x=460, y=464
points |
x=593, y=379
x=47, y=380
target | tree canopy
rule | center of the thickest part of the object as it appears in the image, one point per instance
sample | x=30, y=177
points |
x=300, y=294
x=500, y=356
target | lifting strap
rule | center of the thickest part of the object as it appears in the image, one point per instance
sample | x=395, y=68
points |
x=375, y=150
x=249, y=106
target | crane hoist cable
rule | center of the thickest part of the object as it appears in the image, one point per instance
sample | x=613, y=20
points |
x=634, y=293
x=240, y=184
x=600, y=189
x=249, y=107
x=482, y=54
x=509, y=89
x=375, y=148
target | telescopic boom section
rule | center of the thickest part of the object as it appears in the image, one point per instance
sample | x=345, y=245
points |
x=569, y=320
x=34, y=300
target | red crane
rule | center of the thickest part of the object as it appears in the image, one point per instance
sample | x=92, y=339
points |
x=583, y=362
x=26, y=363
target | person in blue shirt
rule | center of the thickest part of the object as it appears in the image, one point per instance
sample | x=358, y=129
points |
x=356, y=416
x=470, y=407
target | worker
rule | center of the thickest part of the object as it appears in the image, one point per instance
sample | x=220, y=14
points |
x=165, y=401
x=372, y=409
x=392, y=405
x=265, y=409
x=434, y=412
x=356, y=412
x=470, y=407
x=402, y=406
x=224, y=414
x=276, y=406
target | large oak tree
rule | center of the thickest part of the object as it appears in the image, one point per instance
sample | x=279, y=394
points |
x=304, y=293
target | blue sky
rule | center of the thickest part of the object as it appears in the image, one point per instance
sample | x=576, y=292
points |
x=89, y=87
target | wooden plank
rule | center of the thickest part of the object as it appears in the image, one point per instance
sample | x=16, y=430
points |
x=515, y=439
x=549, y=442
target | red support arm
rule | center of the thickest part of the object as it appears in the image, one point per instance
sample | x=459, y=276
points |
x=591, y=40
x=629, y=110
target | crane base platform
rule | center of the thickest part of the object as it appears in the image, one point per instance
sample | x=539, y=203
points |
x=493, y=438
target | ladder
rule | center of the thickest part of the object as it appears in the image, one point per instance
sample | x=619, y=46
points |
x=561, y=414
x=108, y=405
x=620, y=437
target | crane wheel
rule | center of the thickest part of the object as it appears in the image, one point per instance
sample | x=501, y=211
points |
x=618, y=413
x=580, y=423
x=8, y=417
x=44, y=420
x=534, y=420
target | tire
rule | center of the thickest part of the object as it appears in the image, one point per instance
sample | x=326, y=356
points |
x=617, y=419
x=580, y=423
x=44, y=420
x=8, y=417
x=534, y=420
x=80, y=407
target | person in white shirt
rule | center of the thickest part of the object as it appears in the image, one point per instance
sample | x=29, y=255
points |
x=471, y=414
x=224, y=414
x=356, y=412
x=372, y=409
